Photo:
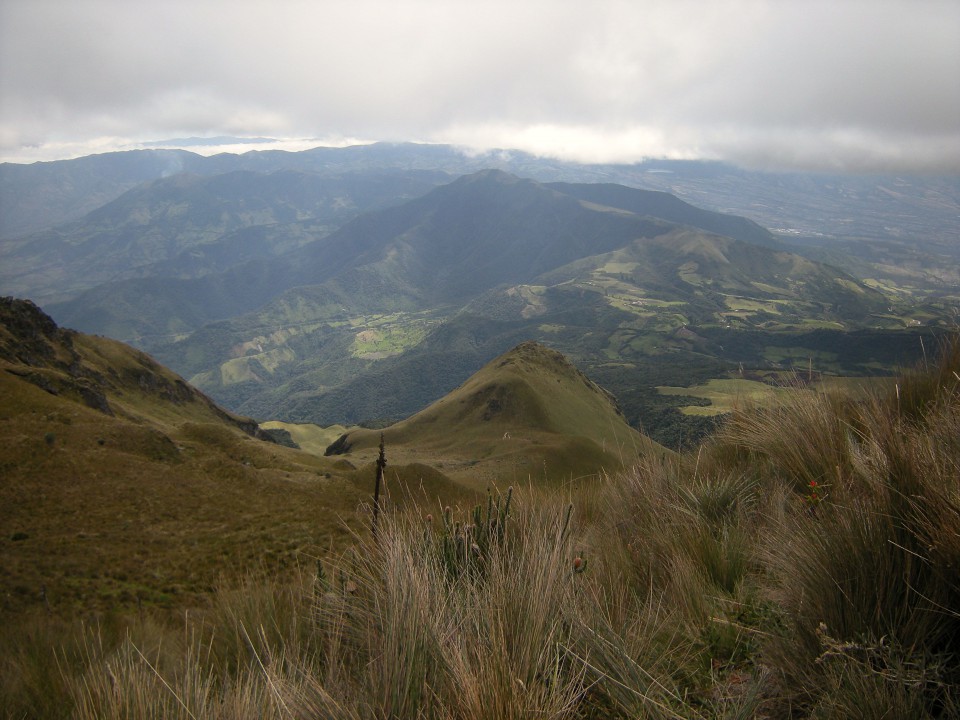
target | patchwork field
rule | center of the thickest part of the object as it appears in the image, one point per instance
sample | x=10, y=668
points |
x=727, y=395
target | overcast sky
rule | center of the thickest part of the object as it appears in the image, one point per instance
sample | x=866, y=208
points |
x=839, y=85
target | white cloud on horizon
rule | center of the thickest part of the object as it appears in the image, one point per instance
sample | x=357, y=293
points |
x=861, y=85
x=217, y=145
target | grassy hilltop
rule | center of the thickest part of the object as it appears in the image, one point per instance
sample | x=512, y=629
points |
x=528, y=413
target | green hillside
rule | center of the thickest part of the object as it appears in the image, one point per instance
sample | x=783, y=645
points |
x=121, y=484
x=668, y=207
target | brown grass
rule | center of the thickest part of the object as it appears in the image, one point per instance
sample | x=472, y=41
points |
x=103, y=512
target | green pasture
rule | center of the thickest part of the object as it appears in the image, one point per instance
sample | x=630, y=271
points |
x=725, y=394
x=311, y=438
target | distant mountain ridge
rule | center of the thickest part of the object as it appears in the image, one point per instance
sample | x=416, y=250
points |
x=456, y=241
x=303, y=300
x=668, y=207
x=480, y=231
x=539, y=263
x=42, y=195
x=807, y=205
x=188, y=225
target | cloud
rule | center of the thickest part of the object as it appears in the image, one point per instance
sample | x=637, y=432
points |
x=851, y=85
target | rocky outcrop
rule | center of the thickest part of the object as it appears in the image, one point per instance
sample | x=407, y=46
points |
x=35, y=349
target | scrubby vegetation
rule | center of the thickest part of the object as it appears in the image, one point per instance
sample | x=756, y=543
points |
x=801, y=563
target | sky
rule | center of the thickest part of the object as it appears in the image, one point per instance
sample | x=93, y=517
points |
x=838, y=86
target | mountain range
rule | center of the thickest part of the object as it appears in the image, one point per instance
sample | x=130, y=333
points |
x=362, y=284
x=909, y=219
x=187, y=226
x=370, y=320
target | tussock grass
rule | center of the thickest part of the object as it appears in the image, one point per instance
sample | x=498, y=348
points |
x=864, y=581
x=718, y=584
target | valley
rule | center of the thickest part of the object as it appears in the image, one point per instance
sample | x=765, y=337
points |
x=359, y=285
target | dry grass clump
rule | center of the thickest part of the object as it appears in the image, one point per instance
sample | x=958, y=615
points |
x=864, y=573
x=388, y=631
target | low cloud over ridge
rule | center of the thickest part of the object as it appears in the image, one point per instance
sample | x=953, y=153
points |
x=854, y=86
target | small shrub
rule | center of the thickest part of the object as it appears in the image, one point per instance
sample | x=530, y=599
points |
x=465, y=547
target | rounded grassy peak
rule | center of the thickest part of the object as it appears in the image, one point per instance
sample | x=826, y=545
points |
x=530, y=394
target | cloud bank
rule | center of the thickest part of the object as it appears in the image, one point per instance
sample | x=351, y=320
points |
x=855, y=85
